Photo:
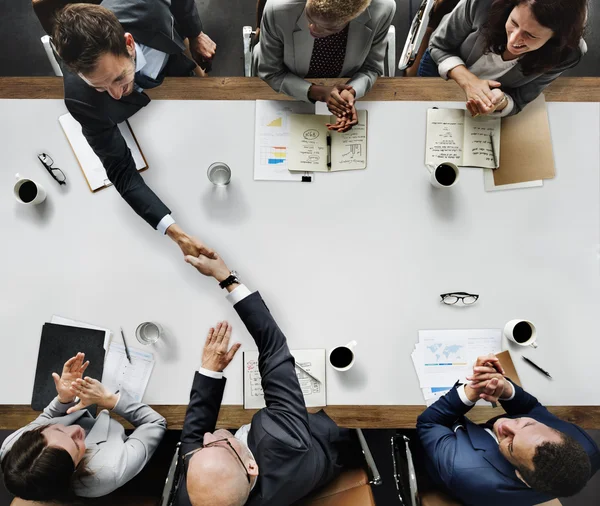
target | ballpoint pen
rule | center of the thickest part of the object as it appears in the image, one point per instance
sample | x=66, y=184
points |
x=126, y=348
x=309, y=374
x=537, y=367
x=494, y=151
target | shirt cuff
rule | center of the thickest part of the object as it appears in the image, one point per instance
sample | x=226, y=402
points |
x=463, y=396
x=448, y=64
x=118, y=399
x=164, y=224
x=507, y=110
x=513, y=394
x=211, y=374
x=238, y=294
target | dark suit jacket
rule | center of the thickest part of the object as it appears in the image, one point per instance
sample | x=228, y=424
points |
x=296, y=452
x=152, y=23
x=466, y=460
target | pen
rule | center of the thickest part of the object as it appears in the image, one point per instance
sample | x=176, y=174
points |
x=537, y=367
x=126, y=348
x=494, y=151
x=305, y=371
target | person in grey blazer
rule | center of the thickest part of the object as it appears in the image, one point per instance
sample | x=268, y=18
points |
x=503, y=53
x=324, y=39
x=66, y=452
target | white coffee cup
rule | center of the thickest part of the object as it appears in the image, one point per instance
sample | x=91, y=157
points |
x=437, y=175
x=529, y=336
x=40, y=195
x=343, y=353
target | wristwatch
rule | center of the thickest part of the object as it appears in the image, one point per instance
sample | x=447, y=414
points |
x=233, y=278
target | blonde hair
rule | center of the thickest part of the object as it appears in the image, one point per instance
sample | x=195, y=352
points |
x=337, y=9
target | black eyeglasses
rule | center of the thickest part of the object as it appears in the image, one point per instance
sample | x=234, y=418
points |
x=453, y=297
x=55, y=172
x=216, y=443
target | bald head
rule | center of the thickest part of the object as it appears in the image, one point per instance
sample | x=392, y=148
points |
x=215, y=477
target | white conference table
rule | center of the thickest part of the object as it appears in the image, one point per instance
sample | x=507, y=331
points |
x=361, y=255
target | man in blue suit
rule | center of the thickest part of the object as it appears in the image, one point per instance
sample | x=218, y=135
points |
x=527, y=457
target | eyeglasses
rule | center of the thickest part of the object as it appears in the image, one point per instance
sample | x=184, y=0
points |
x=453, y=297
x=216, y=443
x=55, y=172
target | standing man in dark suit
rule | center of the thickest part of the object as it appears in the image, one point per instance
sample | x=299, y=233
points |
x=527, y=457
x=110, y=54
x=281, y=456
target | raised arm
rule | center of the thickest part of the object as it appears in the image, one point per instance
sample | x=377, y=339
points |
x=373, y=66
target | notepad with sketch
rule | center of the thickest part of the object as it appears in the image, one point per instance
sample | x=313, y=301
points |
x=315, y=392
x=90, y=164
x=314, y=148
x=454, y=136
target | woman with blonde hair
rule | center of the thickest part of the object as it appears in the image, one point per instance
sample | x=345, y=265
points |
x=304, y=39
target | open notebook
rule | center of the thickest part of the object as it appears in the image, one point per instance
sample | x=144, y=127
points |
x=310, y=369
x=90, y=164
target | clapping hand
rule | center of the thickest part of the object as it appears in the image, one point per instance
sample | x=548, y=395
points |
x=72, y=370
x=217, y=355
x=90, y=391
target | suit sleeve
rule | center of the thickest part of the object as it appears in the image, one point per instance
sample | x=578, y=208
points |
x=150, y=427
x=373, y=66
x=522, y=403
x=434, y=428
x=106, y=140
x=202, y=411
x=187, y=17
x=282, y=392
x=54, y=410
x=271, y=67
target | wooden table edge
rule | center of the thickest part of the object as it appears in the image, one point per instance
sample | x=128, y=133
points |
x=563, y=89
x=14, y=416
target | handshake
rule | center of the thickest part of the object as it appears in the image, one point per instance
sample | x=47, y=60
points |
x=487, y=381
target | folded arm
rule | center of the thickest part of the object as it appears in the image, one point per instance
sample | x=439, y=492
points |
x=373, y=66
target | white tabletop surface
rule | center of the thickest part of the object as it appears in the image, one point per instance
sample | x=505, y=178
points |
x=361, y=255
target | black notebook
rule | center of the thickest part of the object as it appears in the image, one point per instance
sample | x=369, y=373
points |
x=57, y=345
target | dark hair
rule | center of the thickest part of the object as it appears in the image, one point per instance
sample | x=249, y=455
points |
x=84, y=32
x=37, y=472
x=566, y=18
x=559, y=469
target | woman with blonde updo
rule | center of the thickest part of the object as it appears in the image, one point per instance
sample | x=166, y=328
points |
x=302, y=39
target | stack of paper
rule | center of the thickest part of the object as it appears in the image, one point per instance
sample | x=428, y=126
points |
x=443, y=357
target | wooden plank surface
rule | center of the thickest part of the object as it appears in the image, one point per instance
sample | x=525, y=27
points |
x=564, y=89
x=13, y=417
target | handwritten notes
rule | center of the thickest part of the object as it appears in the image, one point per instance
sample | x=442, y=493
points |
x=310, y=374
x=349, y=149
x=454, y=136
x=308, y=143
x=315, y=148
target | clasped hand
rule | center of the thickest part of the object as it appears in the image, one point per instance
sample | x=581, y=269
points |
x=483, y=97
x=487, y=381
x=203, y=50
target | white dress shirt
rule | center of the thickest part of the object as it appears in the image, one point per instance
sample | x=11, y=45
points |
x=489, y=67
x=463, y=397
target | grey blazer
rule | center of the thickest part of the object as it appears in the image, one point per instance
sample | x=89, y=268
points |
x=459, y=36
x=112, y=457
x=285, y=48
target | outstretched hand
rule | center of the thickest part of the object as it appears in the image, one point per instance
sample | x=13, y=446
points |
x=72, y=370
x=217, y=355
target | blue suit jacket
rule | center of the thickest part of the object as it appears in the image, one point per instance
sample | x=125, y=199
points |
x=466, y=460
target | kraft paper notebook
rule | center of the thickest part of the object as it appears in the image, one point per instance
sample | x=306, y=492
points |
x=57, y=345
x=90, y=164
x=314, y=148
x=311, y=376
x=454, y=136
x=509, y=367
x=526, y=147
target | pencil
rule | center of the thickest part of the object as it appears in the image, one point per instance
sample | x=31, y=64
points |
x=494, y=151
x=126, y=348
x=537, y=367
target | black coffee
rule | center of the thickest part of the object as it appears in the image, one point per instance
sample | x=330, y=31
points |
x=522, y=332
x=341, y=357
x=27, y=191
x=445, y=175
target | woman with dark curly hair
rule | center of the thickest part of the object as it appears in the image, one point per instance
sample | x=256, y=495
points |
x=503, y=53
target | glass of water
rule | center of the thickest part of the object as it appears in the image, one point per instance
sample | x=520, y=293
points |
x=219, y=174
x=148, y=332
